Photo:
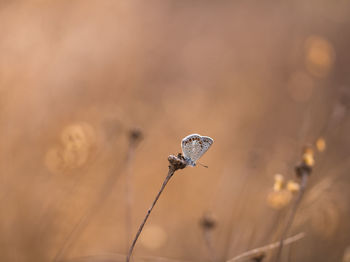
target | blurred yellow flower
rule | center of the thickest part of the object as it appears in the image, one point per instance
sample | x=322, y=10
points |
x=74, y=158
x=279, y=181
x=77, y=136
x=308, y=156
x=76, y=143
x=309, y=159
x=319, y=57
x=279, y=199
x=321, y=144
x=293, y=186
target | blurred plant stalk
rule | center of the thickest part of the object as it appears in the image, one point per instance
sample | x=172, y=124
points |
x=135, y=137
x=175, y=163
x=260, y=251
x=303, y=171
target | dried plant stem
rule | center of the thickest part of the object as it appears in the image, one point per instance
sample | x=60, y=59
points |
x=170, y=174
x=85, y=219
x=268, y=247
x=175, y=164
x=304, y=173
x=208, y=241
x=105, y=191
x=128, y=189
x=236, y=210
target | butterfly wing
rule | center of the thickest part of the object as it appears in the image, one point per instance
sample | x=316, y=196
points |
x=190, y=146
x=206, y=142
x=194, y=146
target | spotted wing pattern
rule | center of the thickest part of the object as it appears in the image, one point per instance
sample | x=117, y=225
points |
x=194, y=146
x=207, y=142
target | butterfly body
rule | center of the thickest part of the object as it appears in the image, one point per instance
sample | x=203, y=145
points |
x=194, y=146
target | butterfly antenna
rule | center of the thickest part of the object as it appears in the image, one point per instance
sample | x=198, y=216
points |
x=203, y=165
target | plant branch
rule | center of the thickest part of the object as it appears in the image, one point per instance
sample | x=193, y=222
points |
x=302, y=171
x=259, y=250
x=208, y=224
x=208, y=241
x=175, y=163
x=135, y=136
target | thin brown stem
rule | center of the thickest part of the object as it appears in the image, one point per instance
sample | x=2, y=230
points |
x=207, y=235
x=304, y=173
x=134, y=138
x=170, y=174
x=175, y=163
x=83, y=222
x=128, y=186
x=260, y=250
x=208, y=224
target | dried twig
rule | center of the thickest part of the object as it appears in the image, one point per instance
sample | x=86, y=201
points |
x=303, y=171
x=175, y=163
x=135, y=136
x=208, y=223
x=261, y=250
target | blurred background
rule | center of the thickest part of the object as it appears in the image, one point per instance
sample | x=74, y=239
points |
x=94, y=96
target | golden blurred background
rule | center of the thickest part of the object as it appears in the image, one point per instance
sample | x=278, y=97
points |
x=264, y=79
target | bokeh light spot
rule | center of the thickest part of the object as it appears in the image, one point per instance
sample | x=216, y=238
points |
x=153, y=237
x=319, y=57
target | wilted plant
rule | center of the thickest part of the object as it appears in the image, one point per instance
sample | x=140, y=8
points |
x=303, y=171
x=282, y=192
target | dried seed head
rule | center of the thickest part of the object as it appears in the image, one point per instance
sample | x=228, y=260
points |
x=280, y=199
x=135, y=135
x=177, y=162
x=279, y=182
x=208, y=221
x=308, y=156
x=293, y=186
x=308, y=159
x=303, y=168
x=308, y=150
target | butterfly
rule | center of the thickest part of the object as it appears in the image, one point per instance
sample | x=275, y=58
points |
x=194, y=146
